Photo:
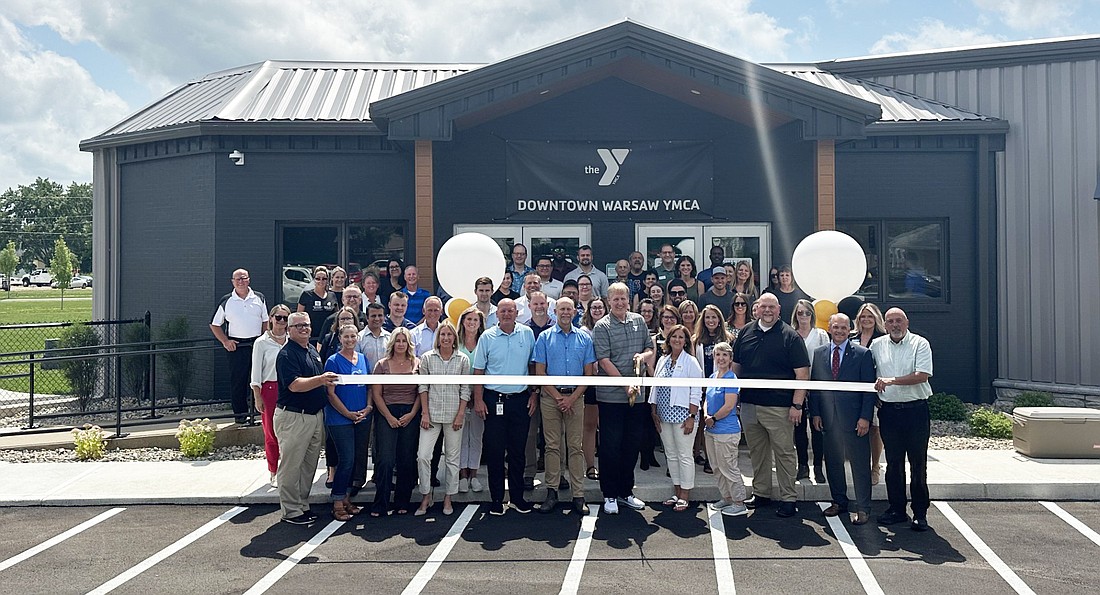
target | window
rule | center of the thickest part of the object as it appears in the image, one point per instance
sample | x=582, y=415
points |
x=355, y=246
x=906, y=259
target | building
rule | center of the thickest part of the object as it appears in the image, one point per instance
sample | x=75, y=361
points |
x=968, y=179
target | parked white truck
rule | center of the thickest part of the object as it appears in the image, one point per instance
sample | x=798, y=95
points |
x=37, y=277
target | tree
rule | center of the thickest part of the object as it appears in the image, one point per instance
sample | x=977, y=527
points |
x=61, y=267
x=8, y=261
x=37, y=214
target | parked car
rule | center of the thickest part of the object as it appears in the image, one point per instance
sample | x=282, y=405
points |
x=37, y=277
x=80, y=282
x=295, y=281
x=4, y=282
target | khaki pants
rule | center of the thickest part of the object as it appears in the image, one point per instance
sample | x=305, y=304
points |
x=770, y=435
x=553, y=420
x=300, y=438
x=722, y=452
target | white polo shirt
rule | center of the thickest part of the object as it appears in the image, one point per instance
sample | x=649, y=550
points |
x=911, y=354
x=246, y=316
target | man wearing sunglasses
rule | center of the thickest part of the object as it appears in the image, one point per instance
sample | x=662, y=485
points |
x=238, y=320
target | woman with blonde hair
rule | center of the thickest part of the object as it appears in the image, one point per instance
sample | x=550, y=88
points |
x=471, y=323
x=442, y=409
x=689, y=313
x=674, y=410
x=264, y=382
x=742, y=281
x=804, y=321
x=869, y=326
x=347, y=419
x=396, y=431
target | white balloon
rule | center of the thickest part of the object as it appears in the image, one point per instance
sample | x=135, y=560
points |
x=464, y=259
x=829, y=265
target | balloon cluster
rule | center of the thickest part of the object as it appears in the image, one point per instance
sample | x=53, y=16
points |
x=830, y=266
x=461, y=261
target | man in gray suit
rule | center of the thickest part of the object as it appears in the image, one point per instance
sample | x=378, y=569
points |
x=844, y=417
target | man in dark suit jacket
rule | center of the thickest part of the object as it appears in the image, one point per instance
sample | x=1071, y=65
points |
x=844, y=417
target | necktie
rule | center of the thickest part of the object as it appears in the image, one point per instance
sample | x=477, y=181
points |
x=836, y=362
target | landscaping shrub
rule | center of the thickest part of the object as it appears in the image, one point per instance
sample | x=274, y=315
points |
x=1033, y=398
x=81, y=373
x=89, y=442
x=987, y=423
x=196, y=437
x=135, y=367
x=946, y=407
x=177, y=366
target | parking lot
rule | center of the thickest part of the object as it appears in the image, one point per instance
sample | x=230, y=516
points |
x=973, y=547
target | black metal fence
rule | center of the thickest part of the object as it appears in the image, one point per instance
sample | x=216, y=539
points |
x=55, y=376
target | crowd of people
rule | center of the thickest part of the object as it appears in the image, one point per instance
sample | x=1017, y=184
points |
x=571, y=321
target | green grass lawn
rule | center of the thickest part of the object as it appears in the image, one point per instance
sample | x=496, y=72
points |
x=24, y=311
x=27, y=311
x=19, y=292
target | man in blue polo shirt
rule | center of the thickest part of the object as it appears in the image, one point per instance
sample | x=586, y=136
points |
x=417, y=295
x=563, y=351
x=505, y=349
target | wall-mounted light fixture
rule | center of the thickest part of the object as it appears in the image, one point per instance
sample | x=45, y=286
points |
x=237, y=157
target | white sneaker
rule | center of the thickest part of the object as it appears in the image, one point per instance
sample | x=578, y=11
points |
x=735, y=510
x=610, y=506
x=273, y=482
x=719, y=505
x=475, y=484
x=463, y=485
x=633, y=502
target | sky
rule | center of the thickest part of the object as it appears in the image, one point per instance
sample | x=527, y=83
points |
x=70, y=69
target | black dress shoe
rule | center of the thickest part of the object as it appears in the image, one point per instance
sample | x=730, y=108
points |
x=758, y=502
x=919, y=525
x=550, y=503
x=579, y=506
x=786, y=510
x=891, y=517
x=819, y=475
x=803, y=473
x=644, y=465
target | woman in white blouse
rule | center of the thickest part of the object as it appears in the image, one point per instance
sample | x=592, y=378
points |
x=265, y=385
x=442, y=408
x=804, y=320
x=675, y=409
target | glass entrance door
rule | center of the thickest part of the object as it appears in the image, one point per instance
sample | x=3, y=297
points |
x=539, y=239
x=739, y=241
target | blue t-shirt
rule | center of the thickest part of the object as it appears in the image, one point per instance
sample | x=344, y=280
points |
x=716, y=398
x=353, y=396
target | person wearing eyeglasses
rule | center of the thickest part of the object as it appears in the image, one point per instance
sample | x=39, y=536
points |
x=318, y=303
x=394, y=280
x=544, y=267
x=265, y=388
x=804, y=322
x=238, y=319
x=667, y=271
x=299, y=418
x=518, y=267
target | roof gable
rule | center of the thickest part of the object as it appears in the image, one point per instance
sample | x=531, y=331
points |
x=634, y=52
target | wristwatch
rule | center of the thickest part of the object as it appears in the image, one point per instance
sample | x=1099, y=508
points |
x=797, y=406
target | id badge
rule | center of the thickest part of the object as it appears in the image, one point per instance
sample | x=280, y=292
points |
x=500, y=407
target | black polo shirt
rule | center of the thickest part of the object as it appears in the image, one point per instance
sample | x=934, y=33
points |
x=771, y=355
x=293, y=362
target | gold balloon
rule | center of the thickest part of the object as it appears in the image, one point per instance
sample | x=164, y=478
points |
x=823, y=309
x=455, y=307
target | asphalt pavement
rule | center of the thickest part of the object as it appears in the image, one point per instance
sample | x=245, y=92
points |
x=973, y=547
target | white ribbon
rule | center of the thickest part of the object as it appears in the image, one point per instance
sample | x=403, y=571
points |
x=647, y=381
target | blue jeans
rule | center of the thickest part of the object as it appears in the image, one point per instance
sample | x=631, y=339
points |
x=394, y=454
x=347, y=439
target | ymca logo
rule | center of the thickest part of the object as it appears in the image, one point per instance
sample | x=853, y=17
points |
x=612, y=160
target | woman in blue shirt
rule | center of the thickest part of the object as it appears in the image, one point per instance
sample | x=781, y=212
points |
x=723, y=432
x=347, y=419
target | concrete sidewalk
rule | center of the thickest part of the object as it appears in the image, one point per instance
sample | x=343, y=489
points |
x=952, y=475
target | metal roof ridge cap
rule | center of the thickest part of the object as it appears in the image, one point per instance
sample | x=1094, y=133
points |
x=894, y=91
x=243, y=94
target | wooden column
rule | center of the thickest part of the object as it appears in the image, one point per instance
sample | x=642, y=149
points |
x=425, y=228
x=825, y=180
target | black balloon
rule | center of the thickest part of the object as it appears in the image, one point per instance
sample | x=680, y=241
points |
x=850, y=306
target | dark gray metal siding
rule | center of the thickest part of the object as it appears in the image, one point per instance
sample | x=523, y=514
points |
x=926, y=185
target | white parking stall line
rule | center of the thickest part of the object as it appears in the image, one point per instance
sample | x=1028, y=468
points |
x=855, y=558
x=723, y=566
x=299, y=554
x=990, y=556
x=163, y=554
x=573, y=574
x=1073, y=522
x=45, y=545
x=441, y=551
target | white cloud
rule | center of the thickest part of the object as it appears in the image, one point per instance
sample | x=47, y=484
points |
x=47, y=103
x=932, y=34
x=1047, y=16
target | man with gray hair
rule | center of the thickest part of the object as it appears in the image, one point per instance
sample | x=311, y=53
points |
x=299, y=419
x=904, y=363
